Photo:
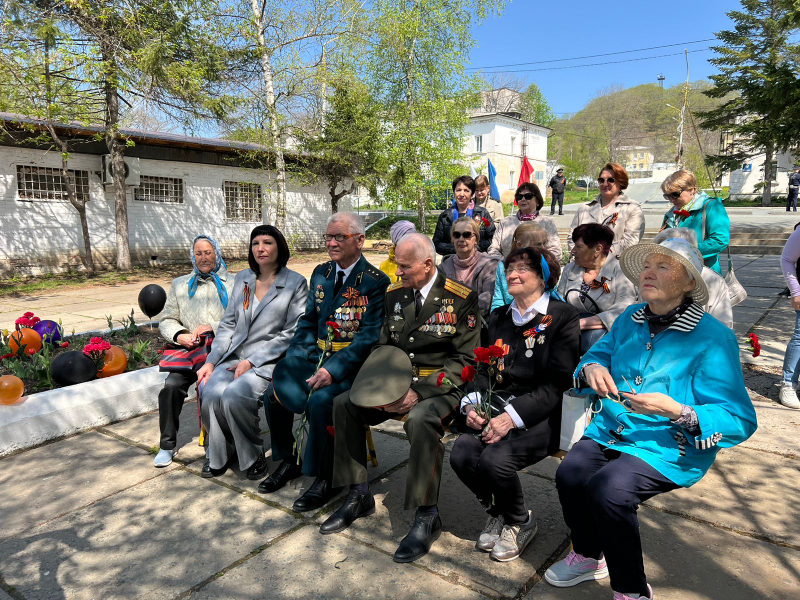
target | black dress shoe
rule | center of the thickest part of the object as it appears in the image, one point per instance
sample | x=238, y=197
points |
x=354, y=506
x=258, y=469
x=288, y=470
x=426, y=529
x=317, y=496
x=208, y=472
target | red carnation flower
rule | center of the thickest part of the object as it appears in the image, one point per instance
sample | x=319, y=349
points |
x=496, y=351
x=468, y=374
x=65, y=344
x=482, y=355
x=485, y=221
x=332, y=324
x=681, y=213
x=440, y=379
x=27, y=314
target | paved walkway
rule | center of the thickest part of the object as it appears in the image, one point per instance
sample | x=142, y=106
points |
x=89, y=517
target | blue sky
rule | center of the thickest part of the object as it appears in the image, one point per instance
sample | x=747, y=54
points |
x=530, y=31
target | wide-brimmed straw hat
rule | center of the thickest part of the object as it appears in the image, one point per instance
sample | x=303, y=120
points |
x=632, y=263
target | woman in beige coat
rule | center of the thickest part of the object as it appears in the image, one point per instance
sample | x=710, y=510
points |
x=613, y=209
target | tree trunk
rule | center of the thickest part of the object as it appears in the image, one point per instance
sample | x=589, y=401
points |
x=766, y=198
x=336, y=196
x=272, y=112
x=117, y=151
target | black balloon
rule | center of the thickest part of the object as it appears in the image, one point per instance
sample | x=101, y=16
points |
x=72, y=367
x=152, y=299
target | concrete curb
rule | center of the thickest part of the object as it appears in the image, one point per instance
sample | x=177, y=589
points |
x=64, y=411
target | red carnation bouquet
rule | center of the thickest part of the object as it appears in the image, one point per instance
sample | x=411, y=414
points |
x=755, y=346
x=96, y=350
x=28, y=319
x=488, y=356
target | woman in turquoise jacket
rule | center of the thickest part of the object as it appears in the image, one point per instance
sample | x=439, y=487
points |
x=699, y=212
x=669, y=394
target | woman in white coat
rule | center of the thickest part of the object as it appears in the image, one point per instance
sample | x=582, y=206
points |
x=260, y=321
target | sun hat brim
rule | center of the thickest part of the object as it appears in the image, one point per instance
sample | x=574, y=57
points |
x=632, y=263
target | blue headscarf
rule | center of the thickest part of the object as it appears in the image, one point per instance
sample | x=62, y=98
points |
x=546, y=276
x=470, y=207
x=195, y=279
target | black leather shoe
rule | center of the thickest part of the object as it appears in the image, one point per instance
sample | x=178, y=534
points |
x=317, y=496
x=286, y=471
x=426, y=529
x=208, y=472
x=354, y=507
x=258, y=469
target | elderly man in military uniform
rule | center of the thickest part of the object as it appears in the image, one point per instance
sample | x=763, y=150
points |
x=349, y=292
x=436, y=322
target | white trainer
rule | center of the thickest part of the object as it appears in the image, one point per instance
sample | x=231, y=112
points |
x=621, y=596
x=575, y=569
x=788, y=397
x=164, y=458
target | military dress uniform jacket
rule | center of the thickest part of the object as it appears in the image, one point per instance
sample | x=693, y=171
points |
x=358, y=309
x=441, y=338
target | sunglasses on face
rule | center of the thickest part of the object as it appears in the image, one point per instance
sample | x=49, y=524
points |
x=602, y=180
x=457, y=235
x=673, y=195
x=527, y=196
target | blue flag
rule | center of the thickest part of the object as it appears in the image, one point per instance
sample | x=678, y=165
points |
x=493, y=191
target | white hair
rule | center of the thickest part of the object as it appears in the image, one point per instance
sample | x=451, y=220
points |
x=677, y=232
x=355, y=224
x=422, y=244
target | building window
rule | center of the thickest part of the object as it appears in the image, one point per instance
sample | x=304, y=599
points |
x=478, y=143
x=641, y=166
x=242, y=201
x=538, y=175
x=511, y=180
x=44, y=183
x=513, y=144
x=641, y=155
x=159, y=189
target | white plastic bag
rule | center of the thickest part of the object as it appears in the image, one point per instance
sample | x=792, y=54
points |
x=575, y=417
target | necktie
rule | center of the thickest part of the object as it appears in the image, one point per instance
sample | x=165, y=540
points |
x=417, y=302
x=339, y=282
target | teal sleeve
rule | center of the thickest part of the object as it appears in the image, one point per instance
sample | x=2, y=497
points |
x=718, y=226
x=499, y=280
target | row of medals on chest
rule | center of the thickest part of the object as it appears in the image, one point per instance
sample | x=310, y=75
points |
x=440, y=322
x=349, y=315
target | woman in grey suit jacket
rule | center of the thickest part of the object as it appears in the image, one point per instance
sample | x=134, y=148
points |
x=260, y=321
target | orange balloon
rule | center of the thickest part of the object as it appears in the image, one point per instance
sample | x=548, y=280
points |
x=11, y=389
x=25, y=337
x=115, y=362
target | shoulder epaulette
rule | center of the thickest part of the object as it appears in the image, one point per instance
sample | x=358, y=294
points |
x=458, y=289
x=373, y=272
x=394, y=286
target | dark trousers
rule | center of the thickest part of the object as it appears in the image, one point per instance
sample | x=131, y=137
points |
x=490, y=470
x=791, y=199
x=600, y=491
x=318, y=453
x=557, y=197
x=424, y=428
x=170, y=402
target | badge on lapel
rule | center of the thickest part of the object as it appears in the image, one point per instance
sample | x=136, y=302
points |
x=246, y=301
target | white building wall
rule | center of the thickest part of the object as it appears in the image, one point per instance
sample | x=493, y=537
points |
x=45, y=235
x=742, y=182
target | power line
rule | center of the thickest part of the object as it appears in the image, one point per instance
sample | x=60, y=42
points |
x=539, y=62
x=610, y=62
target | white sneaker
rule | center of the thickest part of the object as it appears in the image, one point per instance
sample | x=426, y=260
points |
x=164, y=458
x=788, y=397
x=621, y=596
x=574, y=569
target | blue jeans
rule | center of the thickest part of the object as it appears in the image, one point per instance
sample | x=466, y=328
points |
x=792, y=356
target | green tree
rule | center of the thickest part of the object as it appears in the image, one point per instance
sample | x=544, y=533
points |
x=415, y=68
x=534, y=108
x=758, y=85
x=346, y=152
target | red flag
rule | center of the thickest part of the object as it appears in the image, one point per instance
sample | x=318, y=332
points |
x=525, y=174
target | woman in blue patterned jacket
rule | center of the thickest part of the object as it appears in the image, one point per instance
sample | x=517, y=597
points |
x=669, y=394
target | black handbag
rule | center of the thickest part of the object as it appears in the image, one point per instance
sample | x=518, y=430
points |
x=589, y=337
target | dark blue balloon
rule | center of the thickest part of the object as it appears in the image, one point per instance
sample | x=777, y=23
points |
x=49, y=330
x=72, y=367
x=152, y=299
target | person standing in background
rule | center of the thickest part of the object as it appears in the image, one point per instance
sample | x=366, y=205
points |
x=557, y=183
x=482, y=199
x=794, y=187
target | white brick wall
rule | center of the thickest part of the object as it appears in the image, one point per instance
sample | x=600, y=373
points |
x=38, y=236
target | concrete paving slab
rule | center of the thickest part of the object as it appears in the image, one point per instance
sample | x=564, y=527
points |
x=545, y=468
x=766, y=292
x=309, y=565
x=778, y=429
x=391, y=452
x=685, y=560
x=747, y=491
x=146, y=542
x=46, y=482
x=454, y=554
x=144, y=430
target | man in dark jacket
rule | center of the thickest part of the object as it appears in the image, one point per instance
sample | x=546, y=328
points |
x=794, y=187
x=558, y=182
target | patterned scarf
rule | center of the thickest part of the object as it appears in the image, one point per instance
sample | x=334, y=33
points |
x=195, y=279
x=527, y=217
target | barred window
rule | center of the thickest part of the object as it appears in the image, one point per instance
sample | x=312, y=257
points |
x=44, y=183
x=242, y=201
x=159, y=189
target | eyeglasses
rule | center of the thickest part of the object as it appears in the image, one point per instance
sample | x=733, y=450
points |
x=527, y=196
x=339, y=237
x=457, y=235
x=519, y=269
x=673, y=195
x=602, y=180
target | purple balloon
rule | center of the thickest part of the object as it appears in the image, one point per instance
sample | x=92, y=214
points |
x=49, y=330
